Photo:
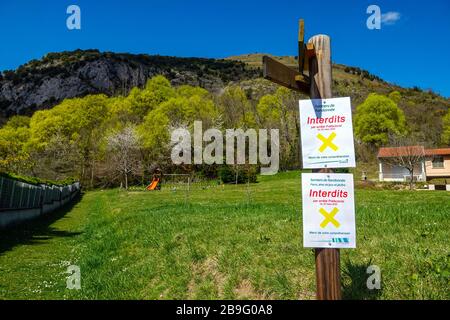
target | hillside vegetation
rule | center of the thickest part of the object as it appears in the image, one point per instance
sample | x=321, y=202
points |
x=357, y=83
x=88, y=137
x=423, y=109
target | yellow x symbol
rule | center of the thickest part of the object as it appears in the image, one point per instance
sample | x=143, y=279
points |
x=327, y=142
x=329, y=217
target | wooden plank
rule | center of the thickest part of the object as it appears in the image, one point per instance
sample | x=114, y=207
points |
x=328, y=275
x=301, y=45
x=309, y=53
x=305, y=51
x=284, y=76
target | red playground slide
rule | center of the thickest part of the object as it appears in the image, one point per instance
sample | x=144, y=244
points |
x=153, y=185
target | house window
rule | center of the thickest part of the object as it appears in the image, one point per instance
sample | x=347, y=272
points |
x=438, y=162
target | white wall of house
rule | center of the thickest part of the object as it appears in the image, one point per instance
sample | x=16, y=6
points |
x=388, y=172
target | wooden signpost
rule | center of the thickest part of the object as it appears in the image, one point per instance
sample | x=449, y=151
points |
x=313, y=78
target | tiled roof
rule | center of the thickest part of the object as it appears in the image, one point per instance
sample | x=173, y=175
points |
x=411, y=150
x=400, y=151
x=437, y=152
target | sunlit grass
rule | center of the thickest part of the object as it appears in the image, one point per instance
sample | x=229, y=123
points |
x=226, y=242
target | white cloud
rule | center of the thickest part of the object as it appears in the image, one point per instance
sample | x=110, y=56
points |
x=390, y=17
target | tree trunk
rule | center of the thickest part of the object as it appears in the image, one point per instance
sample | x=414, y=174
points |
x=82, y=171
x=92, y=174
x=411, y=179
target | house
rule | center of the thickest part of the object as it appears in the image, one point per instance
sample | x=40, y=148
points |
x=430, y=163
x=437, y=163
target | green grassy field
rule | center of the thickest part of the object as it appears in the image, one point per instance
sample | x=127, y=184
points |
x=229, y=242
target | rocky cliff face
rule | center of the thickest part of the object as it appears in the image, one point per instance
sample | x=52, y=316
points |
x=43, y=83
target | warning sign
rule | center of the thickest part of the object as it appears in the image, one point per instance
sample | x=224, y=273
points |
x=327, y=133
x=328, y=210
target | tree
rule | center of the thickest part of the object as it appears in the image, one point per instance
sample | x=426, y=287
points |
x=189, y=91
x=280, y=111
x=405, y=154
x=395, y=96
x=235, y=108
x=377, y=118
x=269, y=111
x=176, y=112
x=157, y=90
x=55, y=161
x=18, y=122
x=445, y=138
x=121, y=112
x=13, y=137
x=123, y=152
x=78, y=121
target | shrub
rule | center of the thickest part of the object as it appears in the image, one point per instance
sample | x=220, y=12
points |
x=36, y=181
x=227, y=174
x=438, y=181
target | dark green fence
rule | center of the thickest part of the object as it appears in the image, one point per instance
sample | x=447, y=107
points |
x=17, y=195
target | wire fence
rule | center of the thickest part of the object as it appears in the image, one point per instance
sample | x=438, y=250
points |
x=180, y=183
x=17, y=195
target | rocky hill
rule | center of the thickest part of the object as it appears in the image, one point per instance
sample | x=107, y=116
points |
x=352, y=81
x=423, y=109
x=43, y=83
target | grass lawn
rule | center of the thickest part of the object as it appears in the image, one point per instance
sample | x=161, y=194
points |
x=224, y=243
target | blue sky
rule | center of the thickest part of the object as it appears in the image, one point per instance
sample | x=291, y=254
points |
x=412, y=48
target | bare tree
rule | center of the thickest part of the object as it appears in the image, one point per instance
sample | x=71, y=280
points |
x=123, y=150
x=405, y=155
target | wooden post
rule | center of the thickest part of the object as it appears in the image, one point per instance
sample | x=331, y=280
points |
x=318, y=85
x=328, y=276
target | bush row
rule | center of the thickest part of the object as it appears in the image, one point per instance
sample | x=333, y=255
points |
x=37, y=181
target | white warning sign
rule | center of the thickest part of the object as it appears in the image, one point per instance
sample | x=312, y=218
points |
x=326, y=132
x=328, y=210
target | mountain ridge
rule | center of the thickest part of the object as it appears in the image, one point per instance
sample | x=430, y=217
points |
x=45, y=82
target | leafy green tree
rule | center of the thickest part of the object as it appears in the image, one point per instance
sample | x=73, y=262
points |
x=280, y=111
x=269, y=111
x=13, y=137
x=157, y=90
x=174, y=113
x=77, y=121
x=189, y=91
x=395, y=96
x=377, y=118
x=18, y=122
x=120, y=111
